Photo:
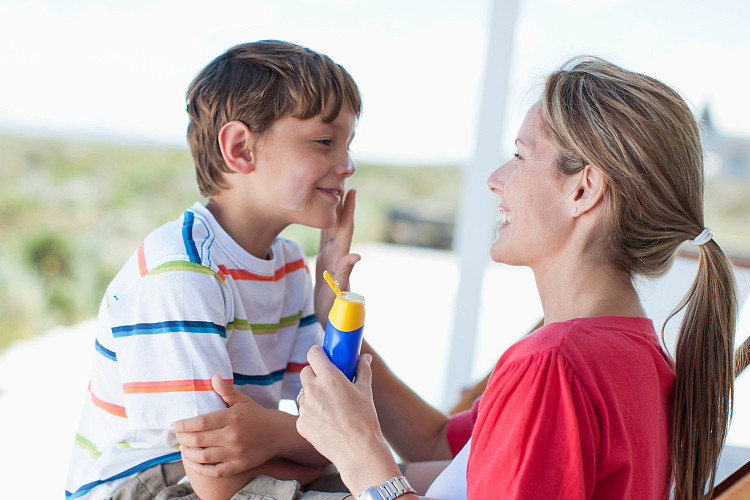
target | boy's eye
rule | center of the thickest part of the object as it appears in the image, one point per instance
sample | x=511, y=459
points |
x=325, y=142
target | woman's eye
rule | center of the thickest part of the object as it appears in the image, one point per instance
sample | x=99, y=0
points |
x=517, y=156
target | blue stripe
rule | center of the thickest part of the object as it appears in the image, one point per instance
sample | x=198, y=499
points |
x=172, y=457
x=104, y=351
x=307, y=321
x=269, y=379
x=167, y=327
x=187, y=237
x=206, y=250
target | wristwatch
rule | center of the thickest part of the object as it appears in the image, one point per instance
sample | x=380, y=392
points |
x=389, y=490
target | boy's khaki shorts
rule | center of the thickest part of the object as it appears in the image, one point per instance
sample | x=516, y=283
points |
x=160, y=483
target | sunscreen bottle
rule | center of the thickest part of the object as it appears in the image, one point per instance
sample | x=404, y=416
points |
x=346, y=322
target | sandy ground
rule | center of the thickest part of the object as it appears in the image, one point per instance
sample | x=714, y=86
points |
x=410, y=294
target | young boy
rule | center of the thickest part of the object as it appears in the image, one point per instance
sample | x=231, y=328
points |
x=218, y=291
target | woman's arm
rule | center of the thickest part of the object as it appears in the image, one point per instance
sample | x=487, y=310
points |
x=339, y=418
x=415, y=430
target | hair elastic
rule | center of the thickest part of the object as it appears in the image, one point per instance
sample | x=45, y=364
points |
x=702, y=238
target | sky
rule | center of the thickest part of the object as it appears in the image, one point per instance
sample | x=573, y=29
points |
x=119, y=70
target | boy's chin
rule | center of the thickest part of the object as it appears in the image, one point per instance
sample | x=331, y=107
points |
x=319, y=222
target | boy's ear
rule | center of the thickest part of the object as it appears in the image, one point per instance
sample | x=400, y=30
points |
x=590, y=189
x=236, y=141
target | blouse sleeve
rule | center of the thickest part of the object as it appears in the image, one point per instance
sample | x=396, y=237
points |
x=537, y=433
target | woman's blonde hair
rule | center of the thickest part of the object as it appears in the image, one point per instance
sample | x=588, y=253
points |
x=644, y=138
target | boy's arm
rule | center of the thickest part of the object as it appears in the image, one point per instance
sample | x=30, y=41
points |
x=208, y=488
x=241, y=437
x=228, y=441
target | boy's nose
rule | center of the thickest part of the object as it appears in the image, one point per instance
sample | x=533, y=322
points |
x=346, y=167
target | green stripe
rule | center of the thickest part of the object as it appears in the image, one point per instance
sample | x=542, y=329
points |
x=266, y=328
x=183, y=265
x=88, y=446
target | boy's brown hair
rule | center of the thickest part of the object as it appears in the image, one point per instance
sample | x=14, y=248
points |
x=258, y=83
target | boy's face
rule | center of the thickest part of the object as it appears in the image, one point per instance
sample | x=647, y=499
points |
x=303, y=165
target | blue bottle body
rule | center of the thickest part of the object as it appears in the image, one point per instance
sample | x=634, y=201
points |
x=343, y=348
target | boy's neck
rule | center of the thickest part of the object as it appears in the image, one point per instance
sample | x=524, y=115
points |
x=251, y=232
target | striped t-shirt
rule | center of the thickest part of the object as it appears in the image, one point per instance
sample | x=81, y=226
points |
x=189, y=303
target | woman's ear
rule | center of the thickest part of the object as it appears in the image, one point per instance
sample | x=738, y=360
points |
x=236, y=141
x=590, y=190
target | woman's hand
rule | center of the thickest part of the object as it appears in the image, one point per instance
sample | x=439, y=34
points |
x=334, y=256
x=244, y=436
x=338, y=418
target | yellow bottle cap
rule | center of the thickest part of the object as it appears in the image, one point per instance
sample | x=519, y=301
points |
x=348, y=312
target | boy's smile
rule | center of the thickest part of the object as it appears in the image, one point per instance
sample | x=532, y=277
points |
x=301, y=168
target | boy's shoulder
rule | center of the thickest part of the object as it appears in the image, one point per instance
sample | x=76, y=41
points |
x=187, y=241
x=196, y=240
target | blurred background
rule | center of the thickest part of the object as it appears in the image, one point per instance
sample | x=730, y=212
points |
x=93, y=154
x=92, y=120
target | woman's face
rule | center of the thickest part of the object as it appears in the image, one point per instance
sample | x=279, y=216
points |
x=534, y=213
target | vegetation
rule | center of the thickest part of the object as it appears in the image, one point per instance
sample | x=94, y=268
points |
x=72, y=213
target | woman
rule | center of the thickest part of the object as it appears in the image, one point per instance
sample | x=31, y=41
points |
x=606, y=184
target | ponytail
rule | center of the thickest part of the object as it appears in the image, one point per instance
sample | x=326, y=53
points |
x=645, y=139
x=704, y=368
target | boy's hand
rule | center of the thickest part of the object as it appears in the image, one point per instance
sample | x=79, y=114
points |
x=334, y=257
x=222, y=443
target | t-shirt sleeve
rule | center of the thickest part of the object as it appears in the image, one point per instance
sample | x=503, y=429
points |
x=460, y=427
x=170, y=336
x=537, y=433
x=309, y=333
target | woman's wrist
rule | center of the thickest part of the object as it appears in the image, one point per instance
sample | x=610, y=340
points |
x=370, y=468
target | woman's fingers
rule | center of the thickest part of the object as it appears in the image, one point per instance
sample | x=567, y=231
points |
x=319, y=362
x=363, y=377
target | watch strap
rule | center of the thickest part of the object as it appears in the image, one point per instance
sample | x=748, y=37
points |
x=389, y=490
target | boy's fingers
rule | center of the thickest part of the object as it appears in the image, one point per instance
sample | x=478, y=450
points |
x=200, y=423
x=347, y=262
x=346, y=221
x=212, y=455
x=208, y=470
x=228, y=392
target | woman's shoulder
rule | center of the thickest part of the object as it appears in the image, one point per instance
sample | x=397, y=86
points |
x=602, y=351
x=595, y=330
x=588, y=340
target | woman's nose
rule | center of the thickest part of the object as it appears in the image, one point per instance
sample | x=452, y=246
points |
x=496, y=180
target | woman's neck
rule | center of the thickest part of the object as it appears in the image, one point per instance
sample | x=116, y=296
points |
x=583, y=288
